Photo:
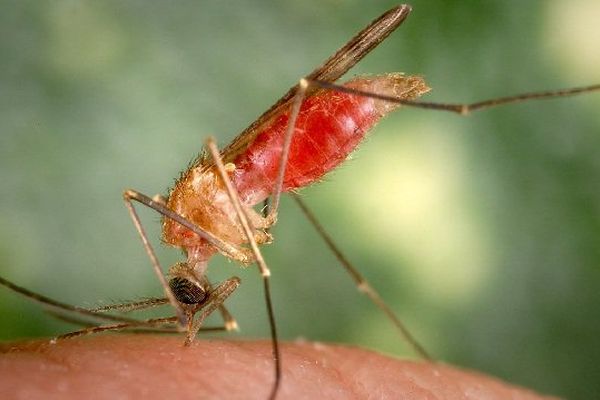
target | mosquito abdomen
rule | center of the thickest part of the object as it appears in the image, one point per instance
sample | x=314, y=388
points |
x=329, y=127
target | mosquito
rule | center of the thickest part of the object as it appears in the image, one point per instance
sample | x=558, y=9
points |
x=211, y=209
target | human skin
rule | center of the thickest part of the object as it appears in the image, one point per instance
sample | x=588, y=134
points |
x=159, y=367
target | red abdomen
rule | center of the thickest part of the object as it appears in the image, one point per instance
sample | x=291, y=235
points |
x=329, y=127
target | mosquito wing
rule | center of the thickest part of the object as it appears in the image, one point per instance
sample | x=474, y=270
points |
x=336, y=66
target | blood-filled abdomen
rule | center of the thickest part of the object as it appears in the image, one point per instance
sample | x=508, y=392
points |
x=329, y=127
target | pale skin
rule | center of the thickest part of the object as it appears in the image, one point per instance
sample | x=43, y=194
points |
x=151, y=367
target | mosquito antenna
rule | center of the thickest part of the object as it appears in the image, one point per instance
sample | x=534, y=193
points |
x=262, y=265
x=462, y=109
x=361, y=283
x=132, y=306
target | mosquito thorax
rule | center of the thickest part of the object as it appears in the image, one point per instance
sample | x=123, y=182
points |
x=201, y=197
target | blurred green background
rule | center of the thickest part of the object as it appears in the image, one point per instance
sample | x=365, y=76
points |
x=483, y=233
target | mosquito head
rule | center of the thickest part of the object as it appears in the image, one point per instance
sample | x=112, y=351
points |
x=187, y=291
x=185, y=286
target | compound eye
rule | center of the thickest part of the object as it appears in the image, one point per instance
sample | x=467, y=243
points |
x=186, y=291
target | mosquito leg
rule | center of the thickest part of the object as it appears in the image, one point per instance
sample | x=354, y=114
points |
x=157, y=322
x=134, y=328
x=334, y=67
x=285, y=151
x=131, y=325
x=175, y=330
x=464, y=109
x=86, y=323
x=262, y=265
x=62, y=307
x=128, y=195
x=233, y=252
x=215, y=301
x=230, y=322
x=361, y=283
